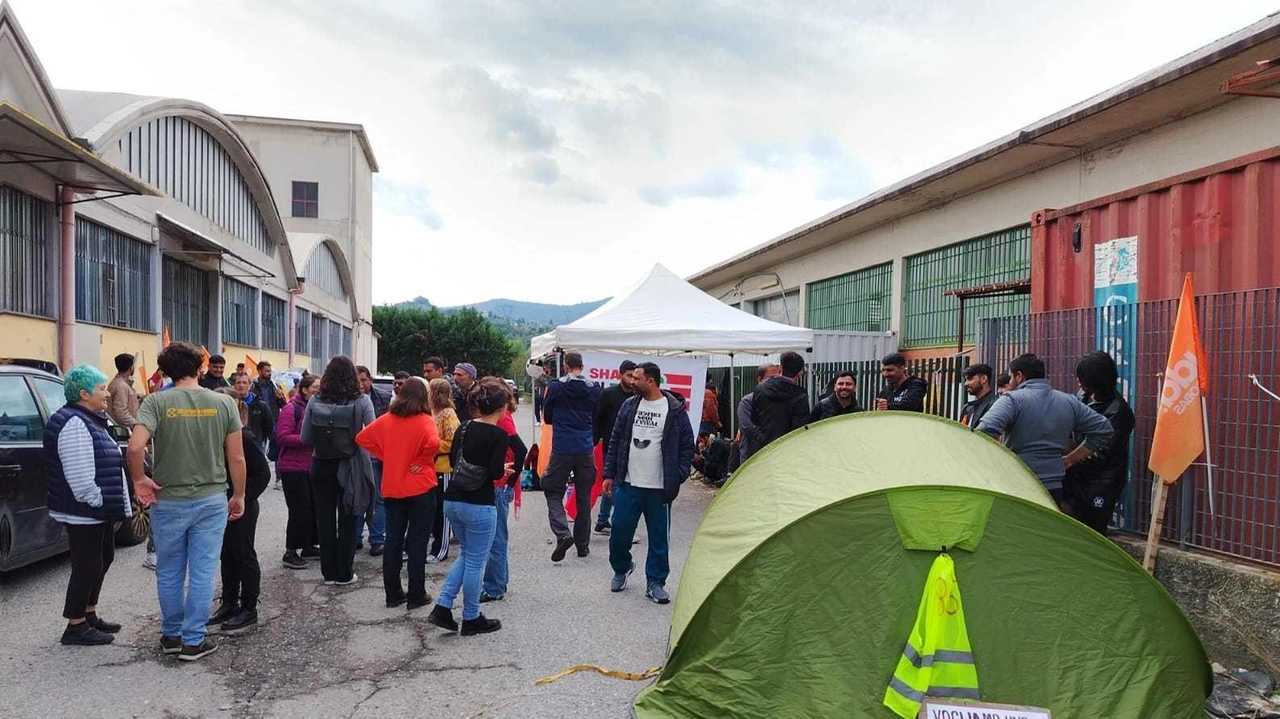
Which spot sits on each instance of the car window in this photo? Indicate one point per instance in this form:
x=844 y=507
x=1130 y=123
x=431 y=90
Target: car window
x=19 y=418
x=52 y=392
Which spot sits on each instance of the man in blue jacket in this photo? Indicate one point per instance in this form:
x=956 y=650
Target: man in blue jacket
x=570 y=408
x=649 y=455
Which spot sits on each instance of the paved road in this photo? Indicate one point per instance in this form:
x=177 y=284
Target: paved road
x=338 y=652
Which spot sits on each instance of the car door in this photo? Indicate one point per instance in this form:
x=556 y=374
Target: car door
x=54 y=397
x=25 y=530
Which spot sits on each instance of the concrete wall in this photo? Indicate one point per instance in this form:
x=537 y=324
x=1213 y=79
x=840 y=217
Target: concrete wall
x=1236 y=128
x=28 y=338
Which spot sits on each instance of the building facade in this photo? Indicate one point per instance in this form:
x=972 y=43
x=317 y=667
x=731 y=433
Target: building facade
x=196 y=232
x=897 y=259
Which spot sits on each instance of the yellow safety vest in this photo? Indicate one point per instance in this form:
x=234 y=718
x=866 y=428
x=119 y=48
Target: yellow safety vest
x=937 y=661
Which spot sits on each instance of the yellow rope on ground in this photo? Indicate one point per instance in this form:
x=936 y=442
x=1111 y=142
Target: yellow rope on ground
x=649 y=673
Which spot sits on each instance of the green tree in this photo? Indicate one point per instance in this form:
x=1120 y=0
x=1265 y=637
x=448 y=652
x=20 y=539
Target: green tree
x=410 y=335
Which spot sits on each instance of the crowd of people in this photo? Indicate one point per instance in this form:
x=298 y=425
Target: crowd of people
x=436 y=457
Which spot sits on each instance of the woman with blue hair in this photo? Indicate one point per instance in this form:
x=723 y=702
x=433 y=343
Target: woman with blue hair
x=88 y=494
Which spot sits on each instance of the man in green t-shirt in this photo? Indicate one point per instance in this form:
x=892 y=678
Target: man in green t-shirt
x=197 y=447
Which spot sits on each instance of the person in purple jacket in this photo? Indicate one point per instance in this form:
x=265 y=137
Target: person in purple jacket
x=302 y=538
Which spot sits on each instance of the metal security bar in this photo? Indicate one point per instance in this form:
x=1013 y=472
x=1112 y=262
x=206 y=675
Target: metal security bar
x=113 y=278
x=856 y=301
x=275 y=323
x=26 y=229
x=185 y=301
x=1241 y=332
x=191 y=166
x=302 y=328
x=239 y=313
x=930 y=316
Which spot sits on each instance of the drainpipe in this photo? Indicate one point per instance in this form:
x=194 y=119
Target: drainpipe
x=67 y=279
x=293 y=324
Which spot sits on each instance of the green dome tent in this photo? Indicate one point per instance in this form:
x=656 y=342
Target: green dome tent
x=804 y=578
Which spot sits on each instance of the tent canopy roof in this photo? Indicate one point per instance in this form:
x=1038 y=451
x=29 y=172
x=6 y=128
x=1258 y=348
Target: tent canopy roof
x=663 y=313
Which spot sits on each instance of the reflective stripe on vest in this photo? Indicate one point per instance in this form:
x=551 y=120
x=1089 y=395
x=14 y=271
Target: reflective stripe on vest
x=937 y=660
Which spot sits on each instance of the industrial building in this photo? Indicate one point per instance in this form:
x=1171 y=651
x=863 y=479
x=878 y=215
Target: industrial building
x=124 y=217
x=903 y=258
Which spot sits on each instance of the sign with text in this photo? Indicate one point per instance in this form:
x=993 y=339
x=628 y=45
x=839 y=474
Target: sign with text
x=932 y=709
x=686 y=376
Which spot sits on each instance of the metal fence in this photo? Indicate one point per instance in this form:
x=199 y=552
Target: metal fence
x=1241 y=332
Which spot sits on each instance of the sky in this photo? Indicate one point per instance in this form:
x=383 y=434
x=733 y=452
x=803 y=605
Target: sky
x=562 y=148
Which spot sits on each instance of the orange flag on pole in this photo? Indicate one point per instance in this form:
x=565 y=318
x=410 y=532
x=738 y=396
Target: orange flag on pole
x=166 y=337
x=204 y=359
x=1180 y=429
x=142 y=372
x=251 y=367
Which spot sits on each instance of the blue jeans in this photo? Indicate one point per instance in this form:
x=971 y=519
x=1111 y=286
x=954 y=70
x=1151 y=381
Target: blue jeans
x=606 y=511
x=473 y=525
x=629 y=503
x=377 y=528
x=496 y=573
x=188 y=536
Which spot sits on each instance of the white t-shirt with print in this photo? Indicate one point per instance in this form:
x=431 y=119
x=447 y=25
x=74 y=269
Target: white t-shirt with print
x=644 y=467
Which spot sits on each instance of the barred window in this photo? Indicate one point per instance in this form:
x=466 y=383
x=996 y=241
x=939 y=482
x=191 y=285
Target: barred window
x=113 y=278
x=185 y=301
x=335 y=339
x=239 y=313
x=302 y=329
x=856 y=301
x=322 y=271
x=346 y=341
x=319 y=330
x=275 y=323
x=25 y=233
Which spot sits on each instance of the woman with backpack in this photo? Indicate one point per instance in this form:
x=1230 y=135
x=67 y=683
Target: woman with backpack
x=341 y=472
x=405 y=441
x=301 y=539
x=479 y=459
x=241 y=574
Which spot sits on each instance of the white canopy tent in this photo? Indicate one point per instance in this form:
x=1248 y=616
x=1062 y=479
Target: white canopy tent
x=664 y=314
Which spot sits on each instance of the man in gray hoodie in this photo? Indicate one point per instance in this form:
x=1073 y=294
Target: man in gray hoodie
x=1036 y=421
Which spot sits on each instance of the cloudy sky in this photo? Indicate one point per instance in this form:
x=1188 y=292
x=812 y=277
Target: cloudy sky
x=563 y=147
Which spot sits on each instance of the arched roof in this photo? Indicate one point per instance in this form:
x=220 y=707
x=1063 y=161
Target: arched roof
x=306 y=244
x=103 y=117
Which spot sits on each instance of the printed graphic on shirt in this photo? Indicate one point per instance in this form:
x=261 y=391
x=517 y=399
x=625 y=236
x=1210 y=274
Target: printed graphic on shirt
x=644 y=468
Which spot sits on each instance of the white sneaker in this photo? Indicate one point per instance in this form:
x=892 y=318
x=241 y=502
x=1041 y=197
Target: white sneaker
x=277 y=484
x=354 y=578
x=150 y=561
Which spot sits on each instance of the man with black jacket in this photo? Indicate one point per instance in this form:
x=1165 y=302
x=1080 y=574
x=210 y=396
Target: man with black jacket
x=1093 y=486
x=841 y=400
x=978 y=380
x=749 y=439
x=570 y=409
x=611 y=399
x=650 y=450
x=902 y=392
x=781 y=404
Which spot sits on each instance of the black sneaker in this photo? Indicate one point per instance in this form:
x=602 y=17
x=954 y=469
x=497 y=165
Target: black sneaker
x=85 y=635
x=102 y=625
x=396 y=600
x=225 y=611
x=584 y=551
x=311 y=553
x=480 y=625
x=171 y=645
x=359 y=545
x=603 y=528
x=192 y=652
x=486 y=597
x=442 y=618
x=291 y=560
x=562 y=548
x=376 y=549
x=418 y=602
x=241 y=620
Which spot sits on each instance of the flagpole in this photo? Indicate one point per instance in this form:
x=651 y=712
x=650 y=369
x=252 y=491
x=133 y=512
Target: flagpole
x=1157 y=526
x=1208 y=453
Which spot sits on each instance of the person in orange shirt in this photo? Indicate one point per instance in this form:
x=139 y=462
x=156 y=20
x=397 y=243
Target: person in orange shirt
x=406 y=441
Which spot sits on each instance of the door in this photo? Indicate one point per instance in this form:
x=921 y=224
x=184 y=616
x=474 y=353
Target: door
x=26 y=532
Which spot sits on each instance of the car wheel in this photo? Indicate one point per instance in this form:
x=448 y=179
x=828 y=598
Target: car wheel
x=136 y=528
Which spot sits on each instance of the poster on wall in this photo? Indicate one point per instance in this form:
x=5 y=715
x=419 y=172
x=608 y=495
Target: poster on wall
x=686 y=376
x=1115 y=295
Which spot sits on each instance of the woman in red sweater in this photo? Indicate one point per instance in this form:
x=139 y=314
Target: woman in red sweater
x=406 y=441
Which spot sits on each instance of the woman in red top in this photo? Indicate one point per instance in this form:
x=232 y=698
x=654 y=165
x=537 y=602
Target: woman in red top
x=406 y=441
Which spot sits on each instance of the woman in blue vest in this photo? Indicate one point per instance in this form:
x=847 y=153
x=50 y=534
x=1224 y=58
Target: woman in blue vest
x=88 y=495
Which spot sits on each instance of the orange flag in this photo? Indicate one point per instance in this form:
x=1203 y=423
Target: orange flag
x=1179 y=437
x=251 y=367
x=166 y=336
x=142 y=372
x=204 y=358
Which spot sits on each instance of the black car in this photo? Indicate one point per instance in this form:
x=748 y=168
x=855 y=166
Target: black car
x=28 y=397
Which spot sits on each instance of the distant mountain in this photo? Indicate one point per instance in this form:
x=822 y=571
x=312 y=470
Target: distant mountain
x=516 y=319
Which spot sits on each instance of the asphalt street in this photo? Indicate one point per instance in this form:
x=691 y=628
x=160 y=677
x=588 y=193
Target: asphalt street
x=337 y=651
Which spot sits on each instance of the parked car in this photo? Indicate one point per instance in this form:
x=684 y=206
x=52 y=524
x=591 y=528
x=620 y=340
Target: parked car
x=28 y=397
x=515 y=391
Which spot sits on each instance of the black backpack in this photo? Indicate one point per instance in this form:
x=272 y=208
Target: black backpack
x=333 y=430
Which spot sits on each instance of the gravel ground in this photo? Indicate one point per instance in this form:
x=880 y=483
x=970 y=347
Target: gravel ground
x=326 y=651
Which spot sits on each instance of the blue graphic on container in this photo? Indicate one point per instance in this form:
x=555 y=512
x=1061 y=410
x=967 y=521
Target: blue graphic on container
x=1115 y=294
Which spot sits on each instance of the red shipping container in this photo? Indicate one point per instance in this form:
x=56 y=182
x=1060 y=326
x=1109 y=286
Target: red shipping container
x=1219 y=222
